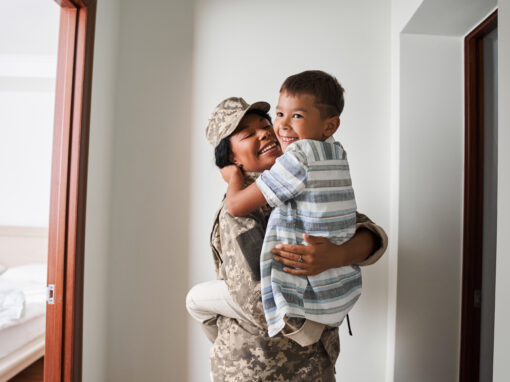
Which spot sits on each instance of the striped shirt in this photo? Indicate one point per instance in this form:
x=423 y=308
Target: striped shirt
x=310 y=188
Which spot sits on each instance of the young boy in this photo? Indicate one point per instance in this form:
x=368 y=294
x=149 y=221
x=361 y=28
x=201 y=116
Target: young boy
x=310 y=188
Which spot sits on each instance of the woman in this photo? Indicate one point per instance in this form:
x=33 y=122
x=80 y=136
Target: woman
x=242 y=351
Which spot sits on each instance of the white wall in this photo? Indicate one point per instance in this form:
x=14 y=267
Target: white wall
x=430 y=209
x=502 y=313
x=99 y=193
x=28 y=61
x=148 y=260
x=401 y=12
x=427 y=330
x=177 y=61
x=247 y=49
x=448 y=18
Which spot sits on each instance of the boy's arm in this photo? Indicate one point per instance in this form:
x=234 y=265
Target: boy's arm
x=284 y=181
x=241 y=200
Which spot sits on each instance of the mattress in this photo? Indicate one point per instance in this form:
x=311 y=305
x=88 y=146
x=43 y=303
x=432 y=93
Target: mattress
x=32 y=322
x=16 y=336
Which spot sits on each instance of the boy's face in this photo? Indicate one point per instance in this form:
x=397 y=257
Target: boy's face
x=297 y=117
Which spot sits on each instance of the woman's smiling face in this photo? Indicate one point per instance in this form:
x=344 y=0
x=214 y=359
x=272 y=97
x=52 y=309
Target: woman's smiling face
x=254 y=144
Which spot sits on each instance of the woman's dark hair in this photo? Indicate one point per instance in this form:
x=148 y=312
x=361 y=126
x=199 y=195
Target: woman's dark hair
x=223 y=152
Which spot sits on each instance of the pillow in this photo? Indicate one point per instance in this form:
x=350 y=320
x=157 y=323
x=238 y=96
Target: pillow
x=27 y=272
x=3 y=268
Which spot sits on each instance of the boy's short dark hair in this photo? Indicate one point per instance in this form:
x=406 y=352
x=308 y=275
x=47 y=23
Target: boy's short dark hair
x=223 y=152
x=328 y=93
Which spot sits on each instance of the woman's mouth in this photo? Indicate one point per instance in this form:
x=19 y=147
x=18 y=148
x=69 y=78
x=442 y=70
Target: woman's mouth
x=269 y=149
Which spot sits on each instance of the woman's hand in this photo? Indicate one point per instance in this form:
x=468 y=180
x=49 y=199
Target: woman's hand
x=321 y=254
x=311 y=259
x=228 y=172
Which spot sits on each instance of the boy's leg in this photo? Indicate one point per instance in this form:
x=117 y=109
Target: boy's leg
x=211 y=298
x=205 y=301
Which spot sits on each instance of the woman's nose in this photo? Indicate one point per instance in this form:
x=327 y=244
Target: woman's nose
x=264 y=133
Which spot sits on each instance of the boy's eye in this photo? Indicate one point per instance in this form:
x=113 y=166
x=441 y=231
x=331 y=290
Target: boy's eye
x=296 y=115
x=267 y=127
x=279 y=114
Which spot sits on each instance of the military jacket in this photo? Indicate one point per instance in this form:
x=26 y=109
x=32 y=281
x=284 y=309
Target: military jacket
x=243 y=351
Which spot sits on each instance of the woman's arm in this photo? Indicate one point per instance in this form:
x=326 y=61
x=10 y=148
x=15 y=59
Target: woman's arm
x=364 y=248
x=240 y=242
x=321 y=254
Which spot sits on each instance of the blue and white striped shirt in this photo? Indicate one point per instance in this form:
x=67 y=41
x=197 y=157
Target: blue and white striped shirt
x=310 y=188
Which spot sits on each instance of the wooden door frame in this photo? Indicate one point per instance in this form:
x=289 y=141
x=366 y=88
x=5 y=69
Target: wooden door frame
x=473 y=200
x=64 y=318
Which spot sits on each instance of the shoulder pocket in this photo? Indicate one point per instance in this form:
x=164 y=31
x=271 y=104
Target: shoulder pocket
x=250 y=244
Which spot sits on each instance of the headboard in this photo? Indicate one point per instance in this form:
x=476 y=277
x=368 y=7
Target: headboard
x=23 y=245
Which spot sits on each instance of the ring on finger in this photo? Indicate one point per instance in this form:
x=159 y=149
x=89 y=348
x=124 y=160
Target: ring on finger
x=300 y=259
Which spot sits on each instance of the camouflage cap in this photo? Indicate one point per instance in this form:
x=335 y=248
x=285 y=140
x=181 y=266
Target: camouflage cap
x=227 y=115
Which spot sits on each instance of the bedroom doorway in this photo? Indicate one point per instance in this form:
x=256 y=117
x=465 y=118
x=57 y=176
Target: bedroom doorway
x=28 y=66
x=65 y=171
x=64 y=314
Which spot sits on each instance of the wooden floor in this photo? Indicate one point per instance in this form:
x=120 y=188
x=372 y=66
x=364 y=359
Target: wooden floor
x=34 y=373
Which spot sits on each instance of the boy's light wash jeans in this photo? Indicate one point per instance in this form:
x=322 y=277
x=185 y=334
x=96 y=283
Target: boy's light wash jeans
x=207 y=300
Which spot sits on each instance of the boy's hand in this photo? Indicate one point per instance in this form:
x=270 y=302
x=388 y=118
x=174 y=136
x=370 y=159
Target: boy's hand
x=311 y=259
x=228 y=172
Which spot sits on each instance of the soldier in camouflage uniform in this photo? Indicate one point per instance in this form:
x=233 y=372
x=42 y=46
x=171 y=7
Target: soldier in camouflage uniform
x=242 y=351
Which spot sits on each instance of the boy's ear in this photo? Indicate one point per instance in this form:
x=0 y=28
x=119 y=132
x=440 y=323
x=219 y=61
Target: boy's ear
x=331 y=125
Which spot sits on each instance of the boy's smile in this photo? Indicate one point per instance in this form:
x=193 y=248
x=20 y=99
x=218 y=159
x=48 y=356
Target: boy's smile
x=297 y=117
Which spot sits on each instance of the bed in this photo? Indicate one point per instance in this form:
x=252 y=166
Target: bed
x=23 y=256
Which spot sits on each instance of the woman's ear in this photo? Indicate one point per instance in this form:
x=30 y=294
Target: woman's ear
x=331 y=126
x=233 y=159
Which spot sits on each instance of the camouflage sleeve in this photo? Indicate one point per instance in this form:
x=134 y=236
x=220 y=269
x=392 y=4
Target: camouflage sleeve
x=362 y=221
x=241 y=243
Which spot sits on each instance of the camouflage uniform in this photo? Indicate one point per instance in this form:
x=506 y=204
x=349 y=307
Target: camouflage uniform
x=243 y=351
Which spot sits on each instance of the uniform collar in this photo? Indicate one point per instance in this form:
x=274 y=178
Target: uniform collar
x=250 y=177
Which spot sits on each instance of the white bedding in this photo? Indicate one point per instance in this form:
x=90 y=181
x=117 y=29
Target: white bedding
x=12 y=304
x=29 y=281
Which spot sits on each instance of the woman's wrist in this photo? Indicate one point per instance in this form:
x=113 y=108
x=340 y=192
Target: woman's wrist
x=340 y=256
x=356 y=250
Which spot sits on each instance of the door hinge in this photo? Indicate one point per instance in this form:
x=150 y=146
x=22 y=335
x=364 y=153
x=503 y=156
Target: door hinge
x=50 y=294
x=477 y=300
